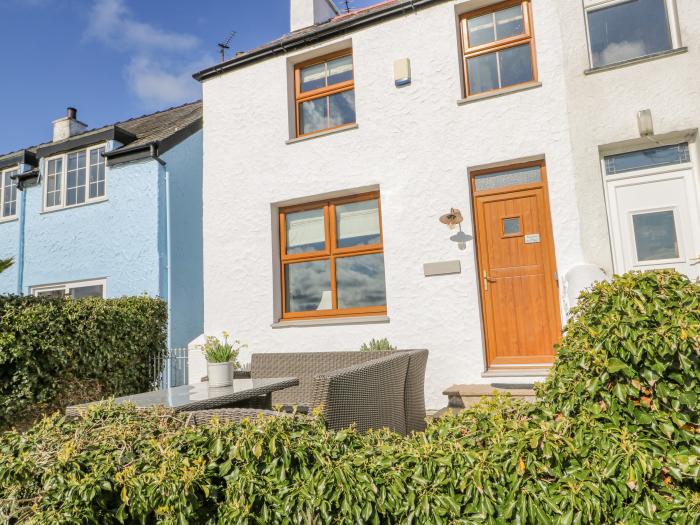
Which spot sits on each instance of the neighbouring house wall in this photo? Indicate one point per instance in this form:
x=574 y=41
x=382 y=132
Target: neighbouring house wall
x=116 y=239
x=184 y=165
x=416 y=144
x=9 y=247
x=603 y=109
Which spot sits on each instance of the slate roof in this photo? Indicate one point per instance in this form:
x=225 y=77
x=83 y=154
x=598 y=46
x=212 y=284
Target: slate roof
x=309 y=35
x=147 y=129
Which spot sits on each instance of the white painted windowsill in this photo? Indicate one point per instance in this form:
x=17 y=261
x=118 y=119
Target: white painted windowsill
x=331 y=321
x=13 y=218
x=633 y=61
x=73 y=206
x=499 y=93
x=323 y=133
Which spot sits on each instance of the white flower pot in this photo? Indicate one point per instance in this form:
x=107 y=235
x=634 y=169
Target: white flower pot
x=220 y=374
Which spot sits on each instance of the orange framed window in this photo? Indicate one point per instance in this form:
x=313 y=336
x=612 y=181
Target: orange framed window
x=499 y=47
x=325 y=93
x=332 y=258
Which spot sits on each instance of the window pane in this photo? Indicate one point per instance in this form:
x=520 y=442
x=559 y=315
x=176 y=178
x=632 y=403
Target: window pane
x=648 y=158
x=52 y=293
x=306 y=231
x=357 y=223
x=507 y=178
x=9 y=194
x=360 y=281
x=308 y=286
x=314 y=115
x=86 y=291
x=97 y=173
x=628 y=30
x=483 y=73
x=313 y=77
x=481 y=30
x=516 y=65
x=509 y=22
x=342 y=109
x=340 y=70
x=655 y=236
x=511 y=226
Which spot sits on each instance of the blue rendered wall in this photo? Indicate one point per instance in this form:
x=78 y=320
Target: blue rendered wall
x=184 y=166
x=9 y=246
x=116 y=239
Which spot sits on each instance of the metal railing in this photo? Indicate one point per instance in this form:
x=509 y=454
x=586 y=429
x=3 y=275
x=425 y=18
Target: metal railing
x=172 y=370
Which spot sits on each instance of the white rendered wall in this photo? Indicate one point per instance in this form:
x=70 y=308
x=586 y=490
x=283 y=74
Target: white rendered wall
x=416 y=145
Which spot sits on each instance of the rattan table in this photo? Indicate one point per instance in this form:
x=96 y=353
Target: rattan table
x=244 y=393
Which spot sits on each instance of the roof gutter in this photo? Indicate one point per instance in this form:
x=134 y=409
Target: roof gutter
x=140 y=152
x=304 y=40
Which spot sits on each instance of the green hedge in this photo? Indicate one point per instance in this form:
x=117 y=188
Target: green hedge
x=606 y=458
x=55 y=351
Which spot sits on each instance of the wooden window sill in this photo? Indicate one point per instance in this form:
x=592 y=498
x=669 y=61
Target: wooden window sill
x=638 y=60
x=323 y=133
x=331 y=321
x=499 y=93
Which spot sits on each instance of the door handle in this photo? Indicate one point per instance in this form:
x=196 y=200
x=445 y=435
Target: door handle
x=487 y=280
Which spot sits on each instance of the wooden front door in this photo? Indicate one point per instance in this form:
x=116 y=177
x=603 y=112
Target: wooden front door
x=515 y=249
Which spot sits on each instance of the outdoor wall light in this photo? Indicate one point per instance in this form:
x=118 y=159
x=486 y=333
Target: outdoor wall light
x=645 y=123
x=452 y=219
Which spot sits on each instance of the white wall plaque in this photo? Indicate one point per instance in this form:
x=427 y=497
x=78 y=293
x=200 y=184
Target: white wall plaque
x=533 y=238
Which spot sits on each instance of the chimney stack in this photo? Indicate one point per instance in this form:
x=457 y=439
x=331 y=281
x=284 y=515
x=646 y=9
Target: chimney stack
x=306 y=13
x=67 y=126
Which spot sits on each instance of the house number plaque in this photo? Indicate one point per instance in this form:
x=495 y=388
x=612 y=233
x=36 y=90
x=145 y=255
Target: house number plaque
x=533 y=238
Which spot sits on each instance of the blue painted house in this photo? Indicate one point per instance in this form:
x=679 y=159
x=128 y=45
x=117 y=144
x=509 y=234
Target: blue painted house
x=108 y=212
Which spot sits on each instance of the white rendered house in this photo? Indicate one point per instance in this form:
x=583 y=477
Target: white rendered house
x=562 y=134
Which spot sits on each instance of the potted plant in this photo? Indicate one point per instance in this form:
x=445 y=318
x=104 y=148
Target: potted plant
x=222 y=359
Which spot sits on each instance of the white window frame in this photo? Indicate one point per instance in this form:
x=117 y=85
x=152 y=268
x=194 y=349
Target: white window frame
x=64 y=179
x=65 y=287
x=6 y=173
x=594 y=5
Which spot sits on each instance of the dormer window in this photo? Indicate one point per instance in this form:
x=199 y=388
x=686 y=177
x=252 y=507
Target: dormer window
x=325 y=93
x=75 y=178
x=8 y=195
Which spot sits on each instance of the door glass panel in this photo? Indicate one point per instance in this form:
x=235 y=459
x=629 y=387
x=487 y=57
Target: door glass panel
x=357 y=223
x=628 y=30
x=511 y=226
x=360 y=281
x=648 y=158
x=503 y=179
x=655 y=236
x=306 y=231
x=308 y=286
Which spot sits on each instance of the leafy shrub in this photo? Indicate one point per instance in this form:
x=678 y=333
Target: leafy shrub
x=500 y=462
x=51 y=345
x=5 y=264
x=581 y=454
x=377 y=345
x=632 y=350
x=217 y=351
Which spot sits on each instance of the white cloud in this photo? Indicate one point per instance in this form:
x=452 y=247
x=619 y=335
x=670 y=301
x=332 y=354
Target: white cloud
x=620 y=51
x=112 y=22
x=159 y=71
x=158 y=84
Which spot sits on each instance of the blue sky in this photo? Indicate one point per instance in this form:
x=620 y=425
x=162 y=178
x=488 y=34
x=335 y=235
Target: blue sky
x=116 y=59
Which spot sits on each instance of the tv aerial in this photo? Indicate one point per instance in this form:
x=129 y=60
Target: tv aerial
x=223 y=46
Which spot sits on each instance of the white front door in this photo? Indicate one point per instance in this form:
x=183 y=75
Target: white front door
x=653 y=212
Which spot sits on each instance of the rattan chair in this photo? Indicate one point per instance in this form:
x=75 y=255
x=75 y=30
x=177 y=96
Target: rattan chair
x=368 y=389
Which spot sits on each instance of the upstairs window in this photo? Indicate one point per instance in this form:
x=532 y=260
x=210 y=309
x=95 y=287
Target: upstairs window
x=325 y=93
x=498 y=47
x=333 y=258
x=621 y=31
x=8 y=195
x=75 y=178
